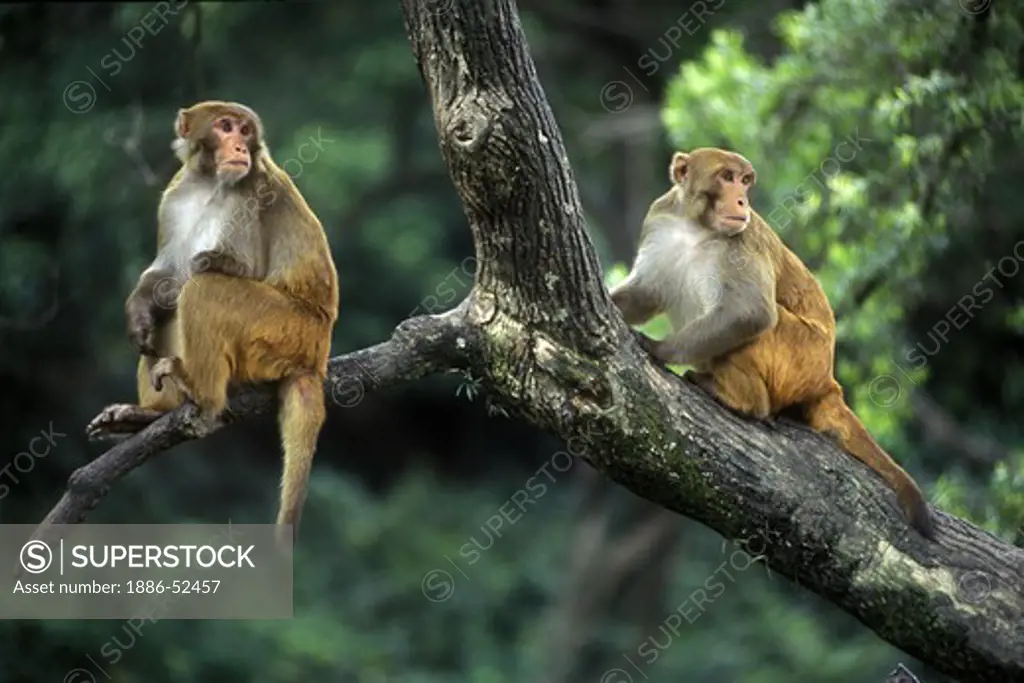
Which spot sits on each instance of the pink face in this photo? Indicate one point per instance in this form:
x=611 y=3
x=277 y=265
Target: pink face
x=722 y=177
x=234 y=138
x=732 y=209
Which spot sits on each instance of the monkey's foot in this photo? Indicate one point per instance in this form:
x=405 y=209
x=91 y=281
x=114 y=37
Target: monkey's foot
x=703 y=381
x=198 y=422
x=168 y=368
x=118 y=420
x=793 y=422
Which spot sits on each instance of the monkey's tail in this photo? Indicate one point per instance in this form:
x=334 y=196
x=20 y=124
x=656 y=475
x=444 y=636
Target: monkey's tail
x=300 y=418
x=831 y=415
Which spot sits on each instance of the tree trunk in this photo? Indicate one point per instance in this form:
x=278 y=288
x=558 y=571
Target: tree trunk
x=541 y=333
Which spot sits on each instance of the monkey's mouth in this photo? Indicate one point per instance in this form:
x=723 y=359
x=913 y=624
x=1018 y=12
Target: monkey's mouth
x=236 y=162
x=735 y=220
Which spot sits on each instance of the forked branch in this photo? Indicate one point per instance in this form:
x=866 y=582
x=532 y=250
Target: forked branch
x=558 y=355
x=540 y=331
x=419 y=346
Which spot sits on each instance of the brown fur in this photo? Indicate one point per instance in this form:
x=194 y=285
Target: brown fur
x=756 y=368
x=258 y=305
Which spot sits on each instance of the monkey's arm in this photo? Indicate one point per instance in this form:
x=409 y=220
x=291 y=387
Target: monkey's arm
x=636 y=305
x=299 y=262
x=745 y=309
x=155 y=295
x=310 y=280
x=147 y=303
x=712 y=335
x=212 y=261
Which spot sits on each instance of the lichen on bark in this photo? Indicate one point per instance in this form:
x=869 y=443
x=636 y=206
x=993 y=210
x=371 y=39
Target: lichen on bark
x=541 y=333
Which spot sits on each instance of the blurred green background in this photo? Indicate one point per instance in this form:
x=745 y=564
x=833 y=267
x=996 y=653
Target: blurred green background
x=887 y=139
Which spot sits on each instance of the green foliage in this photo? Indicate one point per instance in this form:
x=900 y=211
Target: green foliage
x=364 y=570
x=869 y=162
x=887 y=140
x=999 y=508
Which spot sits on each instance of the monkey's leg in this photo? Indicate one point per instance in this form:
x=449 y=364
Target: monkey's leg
x=293 y=347
x=122 y=419
x=797 y=355
x=209 y=330
x=762 y=378
x=737 y=383
x=254 y=333
x=240 y=329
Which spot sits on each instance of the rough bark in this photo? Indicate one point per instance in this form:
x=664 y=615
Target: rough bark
x=540 y=332
x=555 y=351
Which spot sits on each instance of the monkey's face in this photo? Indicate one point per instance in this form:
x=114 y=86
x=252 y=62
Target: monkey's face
x=232 y=138
x=715 y=184
x=730 y=208
x=219 y=138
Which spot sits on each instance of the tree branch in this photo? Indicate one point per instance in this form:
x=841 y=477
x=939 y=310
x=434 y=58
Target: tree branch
x=504 y=152
x=540 y=331
x=418 y=347
x=557 y=353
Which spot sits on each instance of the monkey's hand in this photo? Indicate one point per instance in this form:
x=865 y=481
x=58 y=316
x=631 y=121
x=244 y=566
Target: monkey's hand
x=142 y=329
x=210 y=261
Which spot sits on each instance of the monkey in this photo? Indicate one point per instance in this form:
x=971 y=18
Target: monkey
x=243 y=289
x=746 y=313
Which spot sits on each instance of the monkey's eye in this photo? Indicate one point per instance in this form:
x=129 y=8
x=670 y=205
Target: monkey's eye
x=244 y=130
x=225 y=125
x=728 y=176
x=748 y=179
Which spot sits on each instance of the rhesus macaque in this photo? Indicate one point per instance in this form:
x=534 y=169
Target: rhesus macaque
x=745 y=311
x=243 y=288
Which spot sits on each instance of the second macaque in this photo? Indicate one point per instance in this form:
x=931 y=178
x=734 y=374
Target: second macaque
x=745 y=311
x=243 y=289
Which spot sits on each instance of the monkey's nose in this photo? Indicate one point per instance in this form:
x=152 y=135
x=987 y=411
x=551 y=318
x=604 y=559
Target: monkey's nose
x=741 y=202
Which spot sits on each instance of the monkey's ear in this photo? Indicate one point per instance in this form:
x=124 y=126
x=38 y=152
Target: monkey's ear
x=677 y=168
x=182 y=123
